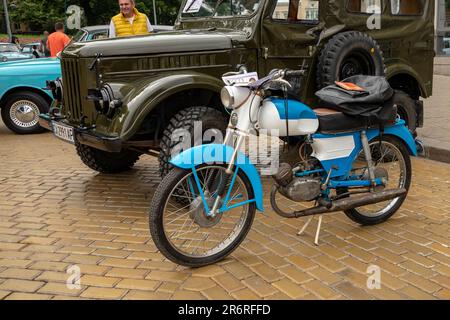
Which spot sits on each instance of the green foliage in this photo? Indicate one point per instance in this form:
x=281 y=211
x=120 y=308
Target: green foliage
x=37 y=14
x=42 y=14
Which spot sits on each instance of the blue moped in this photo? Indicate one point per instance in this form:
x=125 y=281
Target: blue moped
x=354 y=157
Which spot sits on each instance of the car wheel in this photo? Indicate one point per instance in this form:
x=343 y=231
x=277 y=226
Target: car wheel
x=406 y=109
x=21 y=112
x=184 y=121
x=106 y=162
x=348 y=54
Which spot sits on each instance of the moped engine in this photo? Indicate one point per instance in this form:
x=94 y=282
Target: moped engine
x=298 y=189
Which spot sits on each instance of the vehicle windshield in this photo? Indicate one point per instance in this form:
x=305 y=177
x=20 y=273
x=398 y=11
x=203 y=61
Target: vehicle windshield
x=219 y=8
x=78 y=36
x=9 y=48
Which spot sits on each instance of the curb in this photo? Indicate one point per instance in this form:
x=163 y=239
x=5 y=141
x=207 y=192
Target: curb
x=437 y=154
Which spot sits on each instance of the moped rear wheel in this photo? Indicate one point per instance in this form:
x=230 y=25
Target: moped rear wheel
x=392 y=162
x=183 y=231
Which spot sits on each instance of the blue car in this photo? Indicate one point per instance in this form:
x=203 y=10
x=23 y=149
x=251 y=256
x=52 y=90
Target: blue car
x=22 y=93
x=11 y=52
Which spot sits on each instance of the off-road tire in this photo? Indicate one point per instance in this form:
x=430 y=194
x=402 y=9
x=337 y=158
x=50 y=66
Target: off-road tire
x=31 y=98
x=156 y=222
x=106 y=162
x=211 y=119
x=364 y=220
x=406 y=109
x=344 y=53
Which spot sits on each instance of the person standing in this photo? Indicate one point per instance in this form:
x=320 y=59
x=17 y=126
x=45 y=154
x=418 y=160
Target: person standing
x=43 y=45
x=129 y=21
x=16 y=41
x=57 y=41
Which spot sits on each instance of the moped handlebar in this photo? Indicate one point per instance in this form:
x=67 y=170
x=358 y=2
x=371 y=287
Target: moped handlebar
x=294 y=73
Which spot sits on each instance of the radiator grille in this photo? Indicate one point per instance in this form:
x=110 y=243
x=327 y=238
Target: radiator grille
x=72 y=92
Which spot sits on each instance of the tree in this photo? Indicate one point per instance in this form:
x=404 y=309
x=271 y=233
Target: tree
x=2 y=21
x=42 y=14
x=166 y=10
x=38 y=15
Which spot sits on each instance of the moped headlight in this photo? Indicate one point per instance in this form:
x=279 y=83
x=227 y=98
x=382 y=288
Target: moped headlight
x=234 y=97
x=227 y=97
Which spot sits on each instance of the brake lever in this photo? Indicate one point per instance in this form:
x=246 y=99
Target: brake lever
x=283 y=81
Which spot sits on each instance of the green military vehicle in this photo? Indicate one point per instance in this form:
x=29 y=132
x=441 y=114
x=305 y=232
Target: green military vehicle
x=125 y=97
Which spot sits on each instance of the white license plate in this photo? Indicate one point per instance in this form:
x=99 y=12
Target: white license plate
x=63 y=132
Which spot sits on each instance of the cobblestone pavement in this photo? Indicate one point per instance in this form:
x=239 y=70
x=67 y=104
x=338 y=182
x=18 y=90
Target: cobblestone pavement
x=56 y=213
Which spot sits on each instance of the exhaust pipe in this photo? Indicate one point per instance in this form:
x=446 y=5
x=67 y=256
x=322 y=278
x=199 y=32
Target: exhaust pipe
x=342 y=204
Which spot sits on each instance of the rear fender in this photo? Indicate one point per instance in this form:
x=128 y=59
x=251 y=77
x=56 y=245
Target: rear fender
x=400 y=131
x=218 y=153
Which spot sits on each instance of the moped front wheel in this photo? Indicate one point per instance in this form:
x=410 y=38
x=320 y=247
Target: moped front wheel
x=184 y=232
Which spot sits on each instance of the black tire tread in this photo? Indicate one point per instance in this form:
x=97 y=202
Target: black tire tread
x=183 y=119
x=408 y=110
x=104 y=162
x=331 y=51
x=354 y=215
x=158 y=236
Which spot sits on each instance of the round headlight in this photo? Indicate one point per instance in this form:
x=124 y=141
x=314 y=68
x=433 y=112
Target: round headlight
x=227 y=97
x=4 y=59
x=234 y=96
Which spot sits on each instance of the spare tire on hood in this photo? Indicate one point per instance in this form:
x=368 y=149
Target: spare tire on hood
x=347 y=54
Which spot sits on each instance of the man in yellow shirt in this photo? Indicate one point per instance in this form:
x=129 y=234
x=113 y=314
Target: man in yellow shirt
x=129 y=21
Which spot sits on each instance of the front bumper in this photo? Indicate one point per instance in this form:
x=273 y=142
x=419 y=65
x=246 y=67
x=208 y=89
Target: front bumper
x=84 y=136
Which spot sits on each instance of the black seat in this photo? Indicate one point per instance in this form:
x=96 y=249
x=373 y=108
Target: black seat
x=370 y=105
x=332 y=122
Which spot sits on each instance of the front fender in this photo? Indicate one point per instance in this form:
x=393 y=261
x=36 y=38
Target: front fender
x=219 y=153
x=149 y=93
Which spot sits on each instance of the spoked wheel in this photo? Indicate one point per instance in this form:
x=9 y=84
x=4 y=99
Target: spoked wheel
x=21 y=110
x=184 y=232
x=392 y=163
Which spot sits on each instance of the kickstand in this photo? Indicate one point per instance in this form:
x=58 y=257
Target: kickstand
x=319 y=225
